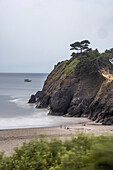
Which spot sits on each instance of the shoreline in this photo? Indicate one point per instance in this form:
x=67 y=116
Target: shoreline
x=12 y=138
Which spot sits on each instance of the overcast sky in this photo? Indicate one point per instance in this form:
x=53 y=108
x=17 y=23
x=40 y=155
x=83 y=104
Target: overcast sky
x=36 y=34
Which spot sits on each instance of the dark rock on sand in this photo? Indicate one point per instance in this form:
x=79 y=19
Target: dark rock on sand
x=32 y=99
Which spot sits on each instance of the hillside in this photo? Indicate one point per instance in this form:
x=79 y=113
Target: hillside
x=81 y=86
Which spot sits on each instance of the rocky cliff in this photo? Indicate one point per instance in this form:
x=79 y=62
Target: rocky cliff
x=81 y=86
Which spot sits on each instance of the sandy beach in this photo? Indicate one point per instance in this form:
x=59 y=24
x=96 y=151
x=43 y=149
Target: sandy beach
x=10 y=139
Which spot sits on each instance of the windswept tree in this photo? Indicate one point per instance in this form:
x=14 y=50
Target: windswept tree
x=81 y=46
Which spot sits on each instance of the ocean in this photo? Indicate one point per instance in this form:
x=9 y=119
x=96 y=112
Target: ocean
x=15 y=112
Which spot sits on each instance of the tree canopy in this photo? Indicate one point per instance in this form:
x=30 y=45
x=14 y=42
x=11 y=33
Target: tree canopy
x=81 y=46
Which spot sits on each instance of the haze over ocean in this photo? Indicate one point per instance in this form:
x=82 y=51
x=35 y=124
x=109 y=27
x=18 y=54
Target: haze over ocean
x=15 y=112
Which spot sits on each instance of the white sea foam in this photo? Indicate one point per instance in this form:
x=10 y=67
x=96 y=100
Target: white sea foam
x=25 y=121
x=39 y=119
x=15 y=112
x=21 y=102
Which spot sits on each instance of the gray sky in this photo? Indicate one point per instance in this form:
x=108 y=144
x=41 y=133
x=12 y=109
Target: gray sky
x=36 y=34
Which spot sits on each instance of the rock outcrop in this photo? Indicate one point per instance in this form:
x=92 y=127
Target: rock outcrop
x=101 y=109
x=81 y=86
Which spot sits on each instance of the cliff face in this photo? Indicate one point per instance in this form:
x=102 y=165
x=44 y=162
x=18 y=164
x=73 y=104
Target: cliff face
x=101 y=109
x=80 y=86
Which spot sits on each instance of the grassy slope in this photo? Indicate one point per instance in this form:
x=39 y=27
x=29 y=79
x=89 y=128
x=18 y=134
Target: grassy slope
x=89 y=62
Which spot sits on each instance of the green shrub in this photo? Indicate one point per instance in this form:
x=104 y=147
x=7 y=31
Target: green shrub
x=91 y=62
x=85 y=152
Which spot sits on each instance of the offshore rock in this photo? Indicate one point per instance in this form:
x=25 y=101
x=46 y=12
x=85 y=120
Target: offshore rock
x=32 y=99
x=42 y=99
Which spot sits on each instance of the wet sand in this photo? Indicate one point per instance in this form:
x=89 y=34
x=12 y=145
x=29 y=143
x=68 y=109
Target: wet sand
x=10 y=139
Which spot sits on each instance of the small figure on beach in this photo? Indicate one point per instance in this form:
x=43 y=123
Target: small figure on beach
x=60 y=126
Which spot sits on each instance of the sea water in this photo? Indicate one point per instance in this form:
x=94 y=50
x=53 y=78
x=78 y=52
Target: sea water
x=15 y=112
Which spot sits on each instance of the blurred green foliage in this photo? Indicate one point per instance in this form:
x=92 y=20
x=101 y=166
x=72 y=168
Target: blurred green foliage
x=84 y=152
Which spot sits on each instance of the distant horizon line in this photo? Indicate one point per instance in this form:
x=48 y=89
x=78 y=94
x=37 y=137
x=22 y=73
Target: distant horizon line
x=21 y=73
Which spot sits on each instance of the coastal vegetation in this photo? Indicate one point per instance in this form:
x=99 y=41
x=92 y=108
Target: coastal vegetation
x=87 y=60
x=84 y=152
x=80 y=86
